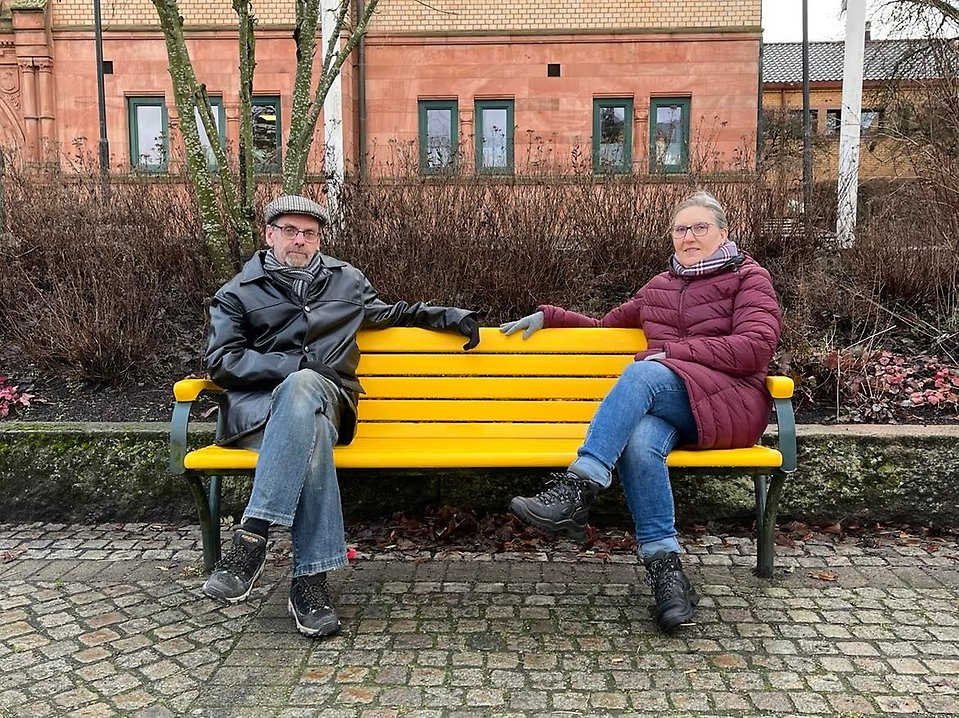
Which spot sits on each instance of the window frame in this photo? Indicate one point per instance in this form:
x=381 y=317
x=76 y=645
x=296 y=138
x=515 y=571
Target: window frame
x=133 y=135
x=274 y=101
x=654 y=104
x=600 y=103
x=834 y=121
x=422 y=109
x=491 y=104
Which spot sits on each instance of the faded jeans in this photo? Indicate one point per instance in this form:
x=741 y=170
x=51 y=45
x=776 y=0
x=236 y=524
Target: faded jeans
x=295 y=481
x=645 y=415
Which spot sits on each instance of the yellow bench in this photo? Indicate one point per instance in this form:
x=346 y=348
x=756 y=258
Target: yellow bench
x=508 y=403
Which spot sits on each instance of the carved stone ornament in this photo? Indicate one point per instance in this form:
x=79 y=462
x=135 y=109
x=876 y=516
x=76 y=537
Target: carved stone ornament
x=9 y=80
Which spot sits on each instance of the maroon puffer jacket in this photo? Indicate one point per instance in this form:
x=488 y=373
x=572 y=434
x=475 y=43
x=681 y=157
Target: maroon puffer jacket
x=719 y=333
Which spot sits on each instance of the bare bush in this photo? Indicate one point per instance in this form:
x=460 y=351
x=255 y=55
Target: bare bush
x=94 y=278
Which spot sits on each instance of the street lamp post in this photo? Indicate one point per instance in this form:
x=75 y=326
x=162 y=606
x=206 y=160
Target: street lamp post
x=101 y=95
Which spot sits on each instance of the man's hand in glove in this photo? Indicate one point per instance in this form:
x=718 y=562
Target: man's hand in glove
x=533 y=323
x=469 y=327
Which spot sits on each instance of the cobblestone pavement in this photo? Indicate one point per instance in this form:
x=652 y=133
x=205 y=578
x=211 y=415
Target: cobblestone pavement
x=109 y=620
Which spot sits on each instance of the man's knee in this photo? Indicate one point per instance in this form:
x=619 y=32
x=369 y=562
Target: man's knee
x=306 y=391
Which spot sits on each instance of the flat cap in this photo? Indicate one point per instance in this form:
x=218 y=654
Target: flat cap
x=294 y=204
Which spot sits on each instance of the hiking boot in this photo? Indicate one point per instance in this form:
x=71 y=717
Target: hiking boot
x=562 y=508
x=311 y=606
x=233 y=575
x=674 y=595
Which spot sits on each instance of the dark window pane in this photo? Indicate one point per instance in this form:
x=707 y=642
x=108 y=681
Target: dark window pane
x=439 y=138
x=612 y=136
x=266 y=123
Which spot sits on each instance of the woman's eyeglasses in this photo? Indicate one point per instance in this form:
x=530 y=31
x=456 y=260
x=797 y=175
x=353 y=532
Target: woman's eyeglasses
x=699 y=229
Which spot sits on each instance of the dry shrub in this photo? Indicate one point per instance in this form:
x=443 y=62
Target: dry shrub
x=100 y=284
x=93 y=278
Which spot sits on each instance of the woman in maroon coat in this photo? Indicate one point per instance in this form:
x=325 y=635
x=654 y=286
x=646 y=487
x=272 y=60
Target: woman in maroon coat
x=712 y=322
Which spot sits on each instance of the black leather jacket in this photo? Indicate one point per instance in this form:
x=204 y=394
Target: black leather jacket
x=260 y=334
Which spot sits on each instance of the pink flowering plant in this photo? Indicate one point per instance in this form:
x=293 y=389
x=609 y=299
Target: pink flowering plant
x=881 y=385
x=11 y=397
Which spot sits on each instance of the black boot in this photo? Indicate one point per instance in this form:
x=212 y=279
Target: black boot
x=311 y=605
x=562 y=508
x=674 y=595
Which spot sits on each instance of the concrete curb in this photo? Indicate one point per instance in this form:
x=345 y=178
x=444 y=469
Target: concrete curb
x=94 y=472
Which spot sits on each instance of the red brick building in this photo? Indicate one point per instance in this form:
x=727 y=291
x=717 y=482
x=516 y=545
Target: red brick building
x=508 y=87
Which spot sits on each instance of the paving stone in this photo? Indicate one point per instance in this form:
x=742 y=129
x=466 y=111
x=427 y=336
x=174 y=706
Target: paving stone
x=102 y=631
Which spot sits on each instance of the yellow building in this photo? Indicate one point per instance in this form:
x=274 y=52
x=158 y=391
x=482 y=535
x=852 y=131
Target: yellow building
x=891 y=69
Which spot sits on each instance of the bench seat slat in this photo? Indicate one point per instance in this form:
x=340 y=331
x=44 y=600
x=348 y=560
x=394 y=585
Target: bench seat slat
x=427 y=453
x=473 y=387
x=493 y=365
x=467 y=410
x=471 y=430
x=401 y=340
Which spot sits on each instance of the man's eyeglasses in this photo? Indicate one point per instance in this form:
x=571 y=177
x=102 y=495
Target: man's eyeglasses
x=699 y=229
x=289 y=232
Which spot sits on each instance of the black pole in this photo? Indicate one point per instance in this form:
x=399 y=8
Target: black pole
x=806 y=129
x=101 y=96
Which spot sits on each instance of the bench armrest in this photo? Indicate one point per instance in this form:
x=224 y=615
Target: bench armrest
x=781 y=389
x=185 y=392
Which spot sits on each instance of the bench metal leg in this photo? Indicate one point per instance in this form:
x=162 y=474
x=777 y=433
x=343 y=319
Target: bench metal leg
x=208 y=509
x=768 y=492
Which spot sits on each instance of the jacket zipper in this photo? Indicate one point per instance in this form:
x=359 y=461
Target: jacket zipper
x=682 y=308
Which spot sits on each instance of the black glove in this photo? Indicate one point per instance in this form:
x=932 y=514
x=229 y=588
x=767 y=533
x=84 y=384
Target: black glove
x=469 y=327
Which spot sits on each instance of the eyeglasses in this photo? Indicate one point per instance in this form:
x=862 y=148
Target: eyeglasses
x=699 y=229
x=289 y=232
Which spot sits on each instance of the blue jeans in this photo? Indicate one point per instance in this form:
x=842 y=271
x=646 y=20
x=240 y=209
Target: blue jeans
x=645 y=415
x=295 y=481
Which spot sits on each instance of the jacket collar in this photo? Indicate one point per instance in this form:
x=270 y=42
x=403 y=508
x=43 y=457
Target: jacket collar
x=253 y=269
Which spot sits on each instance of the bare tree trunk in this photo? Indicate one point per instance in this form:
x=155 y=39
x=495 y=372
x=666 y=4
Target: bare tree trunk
x=190 y=96
x=306 y=111
x=245 y=215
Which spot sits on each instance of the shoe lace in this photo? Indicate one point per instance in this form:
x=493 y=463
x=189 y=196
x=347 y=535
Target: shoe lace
x=316 y=591
x=664 y=577
x=240 y=560
x=561 y=489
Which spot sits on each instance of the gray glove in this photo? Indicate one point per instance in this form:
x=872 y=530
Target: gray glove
x=654 y=357
x=533 y=323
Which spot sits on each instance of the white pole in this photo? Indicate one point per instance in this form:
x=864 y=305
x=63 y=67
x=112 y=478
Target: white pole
x=332 y=115
x=850 y=123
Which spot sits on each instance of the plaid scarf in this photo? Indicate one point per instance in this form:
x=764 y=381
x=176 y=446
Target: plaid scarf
x=726 y=256
x=297 y=279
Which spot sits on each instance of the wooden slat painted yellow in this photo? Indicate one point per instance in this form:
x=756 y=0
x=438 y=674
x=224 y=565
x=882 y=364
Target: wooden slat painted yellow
x=493 y=341
x=471 y=430
x=469 y=364
x=502 y=387
x=466 y=410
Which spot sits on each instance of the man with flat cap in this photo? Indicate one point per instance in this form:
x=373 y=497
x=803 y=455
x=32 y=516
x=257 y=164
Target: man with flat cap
x=283 y=344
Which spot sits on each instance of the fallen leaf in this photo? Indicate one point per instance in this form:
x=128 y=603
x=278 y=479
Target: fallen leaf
x=824 y=575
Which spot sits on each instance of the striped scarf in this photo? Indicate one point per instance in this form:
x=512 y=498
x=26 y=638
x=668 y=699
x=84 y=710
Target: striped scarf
x=297 y=279
x=727 y=255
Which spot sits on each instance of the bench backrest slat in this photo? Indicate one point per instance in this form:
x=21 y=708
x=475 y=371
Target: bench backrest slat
x=466 y=410
x=493 y=364
x=401 y=340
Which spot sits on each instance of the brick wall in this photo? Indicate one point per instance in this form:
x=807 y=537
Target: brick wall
x=141 y=13
x=480 y=16
x=447 y=16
